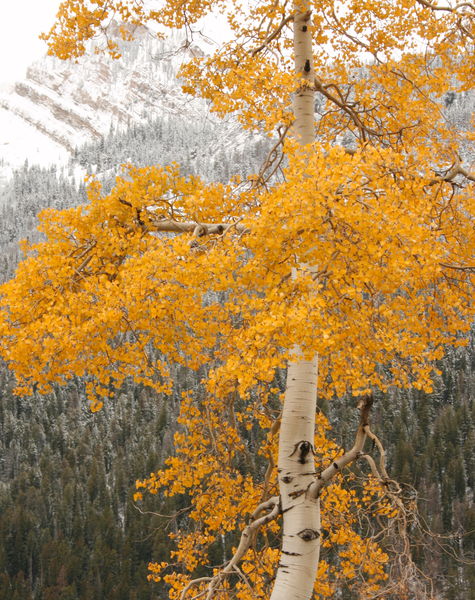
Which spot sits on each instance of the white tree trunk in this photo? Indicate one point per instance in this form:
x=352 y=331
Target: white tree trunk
x=298 y=565
x=304 y=99
x=301 y=512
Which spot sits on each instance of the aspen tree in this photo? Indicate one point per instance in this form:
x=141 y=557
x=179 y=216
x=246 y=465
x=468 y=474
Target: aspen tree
x=301 y=514
x=359 y=253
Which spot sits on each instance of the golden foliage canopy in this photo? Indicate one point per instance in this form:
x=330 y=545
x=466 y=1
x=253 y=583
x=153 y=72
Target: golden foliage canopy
x=387 y=225
x=107 y=298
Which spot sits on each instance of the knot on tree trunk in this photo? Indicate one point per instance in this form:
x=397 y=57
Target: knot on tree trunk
x=303 y=449
x=307 y=535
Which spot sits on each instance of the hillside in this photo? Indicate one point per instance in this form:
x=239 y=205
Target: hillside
x=61 y=105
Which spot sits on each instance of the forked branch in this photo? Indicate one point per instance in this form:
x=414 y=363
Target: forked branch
x=364 y=406
x=247 y=536
x=405 y=574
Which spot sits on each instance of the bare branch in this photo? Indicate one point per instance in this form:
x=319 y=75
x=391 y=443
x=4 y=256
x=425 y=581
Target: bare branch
x=272 y=156
x=162 y=516
x=382 y=452
x=325 y=476
x=353 y=115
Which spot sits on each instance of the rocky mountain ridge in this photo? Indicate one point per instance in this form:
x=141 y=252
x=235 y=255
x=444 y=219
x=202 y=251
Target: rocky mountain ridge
x=60 y=105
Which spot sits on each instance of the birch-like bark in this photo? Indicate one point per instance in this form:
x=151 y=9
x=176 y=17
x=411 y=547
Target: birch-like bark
x=301 y=511
x=298 y=565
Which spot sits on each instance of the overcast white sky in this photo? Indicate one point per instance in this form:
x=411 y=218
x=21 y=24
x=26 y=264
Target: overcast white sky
x=21 y=22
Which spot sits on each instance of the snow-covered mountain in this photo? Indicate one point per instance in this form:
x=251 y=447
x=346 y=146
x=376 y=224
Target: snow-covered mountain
x=60 y=105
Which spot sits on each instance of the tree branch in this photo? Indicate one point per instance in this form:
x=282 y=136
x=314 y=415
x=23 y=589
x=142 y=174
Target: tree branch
x=452 y=172
x=273 y=35
x=247 y=536
x=464 y=268
x=364 y=406
x=168 y=225
x=451 y=9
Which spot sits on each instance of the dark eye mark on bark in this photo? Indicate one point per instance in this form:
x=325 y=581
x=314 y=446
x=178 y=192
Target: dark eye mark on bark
x=308 y=534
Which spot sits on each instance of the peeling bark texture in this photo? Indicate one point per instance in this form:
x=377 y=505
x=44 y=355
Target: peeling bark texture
x=301 y=512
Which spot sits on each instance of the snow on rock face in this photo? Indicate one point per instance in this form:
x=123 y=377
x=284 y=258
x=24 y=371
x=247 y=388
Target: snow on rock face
x=63 y=104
